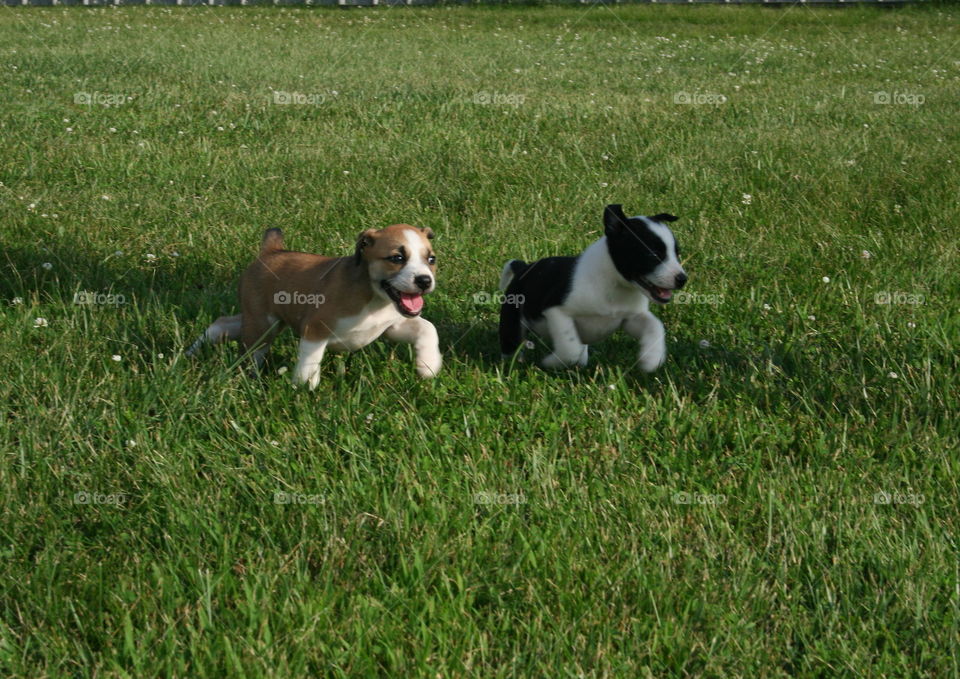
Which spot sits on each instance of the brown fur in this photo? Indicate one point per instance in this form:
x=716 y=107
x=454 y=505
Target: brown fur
x=334 y=303
x=344 y=282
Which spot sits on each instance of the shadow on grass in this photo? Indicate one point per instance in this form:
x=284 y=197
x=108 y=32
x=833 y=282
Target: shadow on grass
x=690 y=371
x=70 y=273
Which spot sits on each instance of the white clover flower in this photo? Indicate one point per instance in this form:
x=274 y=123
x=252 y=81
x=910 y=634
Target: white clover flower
x=17 y=301
x=892 y=375
x=46 y=266
x=746 y=199
x=40 y=322
x=704 y=344
x=865 y=254
x=811 y=317
x=826 y=279
x=116 y=358
x=282 y=370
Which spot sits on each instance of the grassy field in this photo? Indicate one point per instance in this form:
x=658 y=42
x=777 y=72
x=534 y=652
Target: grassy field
x=780 y=499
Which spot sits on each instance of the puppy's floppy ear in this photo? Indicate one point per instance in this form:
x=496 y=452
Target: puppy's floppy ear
x=427 y=231
x=614 y=221
x=365 y=239
x=664 y=217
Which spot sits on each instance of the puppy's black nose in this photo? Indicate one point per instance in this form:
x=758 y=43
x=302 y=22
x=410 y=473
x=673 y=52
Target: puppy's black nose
x=681 y=279
x=423 y=282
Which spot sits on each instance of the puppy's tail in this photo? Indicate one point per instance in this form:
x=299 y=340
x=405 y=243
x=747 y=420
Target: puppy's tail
x=272 y=241
x=511 y=269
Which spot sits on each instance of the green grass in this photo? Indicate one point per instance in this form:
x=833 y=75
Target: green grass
x=718 y=518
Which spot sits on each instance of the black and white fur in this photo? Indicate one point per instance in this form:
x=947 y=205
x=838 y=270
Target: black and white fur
x=581 y=300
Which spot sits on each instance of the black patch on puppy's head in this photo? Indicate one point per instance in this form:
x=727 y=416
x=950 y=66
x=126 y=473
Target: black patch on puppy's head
x=634 y=248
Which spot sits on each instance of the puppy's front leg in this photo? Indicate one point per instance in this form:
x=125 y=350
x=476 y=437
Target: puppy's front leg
x=308 y=362
x=568 y=350
x=426 y=343
x=653 y=345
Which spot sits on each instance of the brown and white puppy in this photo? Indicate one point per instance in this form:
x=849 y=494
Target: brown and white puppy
x=336 y=303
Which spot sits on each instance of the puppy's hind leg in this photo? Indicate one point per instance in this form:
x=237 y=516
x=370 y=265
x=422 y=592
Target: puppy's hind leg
x=511 y=329
x=257 y=334
x=653 y=344
x=224 y=329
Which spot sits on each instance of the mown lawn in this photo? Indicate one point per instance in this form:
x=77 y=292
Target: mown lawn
x=779 y=500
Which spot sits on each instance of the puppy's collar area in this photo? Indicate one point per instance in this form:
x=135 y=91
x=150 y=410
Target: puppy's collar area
x=408 y=304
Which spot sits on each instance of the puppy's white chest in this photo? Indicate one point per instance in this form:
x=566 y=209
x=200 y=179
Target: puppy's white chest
x=356 y=332
x=600 y=310
x=595 y=328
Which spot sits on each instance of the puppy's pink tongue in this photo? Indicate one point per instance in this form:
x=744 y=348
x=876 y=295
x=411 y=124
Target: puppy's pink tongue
x=664 y=293
x=411 y=303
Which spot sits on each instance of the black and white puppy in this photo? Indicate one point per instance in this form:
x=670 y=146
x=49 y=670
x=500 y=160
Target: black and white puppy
x=581 y=300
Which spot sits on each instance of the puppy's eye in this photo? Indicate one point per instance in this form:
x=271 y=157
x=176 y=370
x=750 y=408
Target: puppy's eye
x=396 y=259
x=431 y=259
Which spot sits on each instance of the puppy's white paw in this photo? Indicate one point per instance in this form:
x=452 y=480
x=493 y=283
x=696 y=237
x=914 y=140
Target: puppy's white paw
x=653 y=356
x=429 y=368
x=311 y=378
x=552 y=361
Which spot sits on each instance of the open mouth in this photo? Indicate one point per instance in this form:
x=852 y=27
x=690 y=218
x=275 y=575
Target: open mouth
x=661 y=295
x=408 y=304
